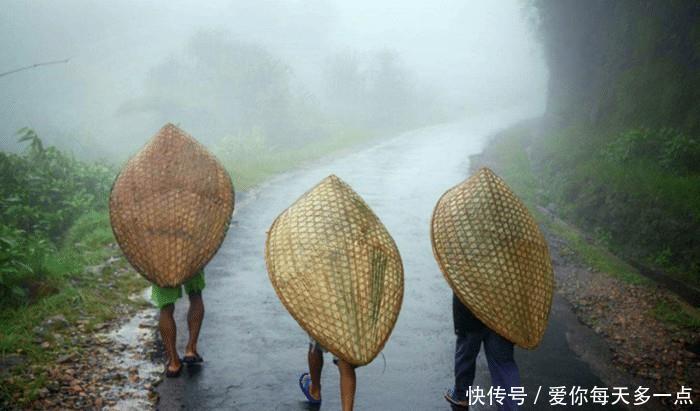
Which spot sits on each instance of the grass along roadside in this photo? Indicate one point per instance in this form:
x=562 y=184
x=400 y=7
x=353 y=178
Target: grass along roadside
x=92 y=284
x=508 y=153
x=252 y=160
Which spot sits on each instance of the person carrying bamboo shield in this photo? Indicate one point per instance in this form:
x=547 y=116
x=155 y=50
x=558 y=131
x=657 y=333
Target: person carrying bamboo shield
x=338 y=272
x=496 y=261
x=170 y=209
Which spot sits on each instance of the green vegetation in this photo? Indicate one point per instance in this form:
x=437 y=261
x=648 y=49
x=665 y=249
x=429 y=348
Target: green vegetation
x=621 y=154
x=508 y=152
x=639 y=192
x=55 y=227
x=57 y=251
x=43 y=192
x=54 y=207
x=682 y=315
x=85 y=293
x=596 y=256
x=623 y=64
x=82 y=287
x=54 y=237
x=251 y=159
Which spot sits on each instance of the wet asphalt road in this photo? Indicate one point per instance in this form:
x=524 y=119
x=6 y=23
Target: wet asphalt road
x=254 y=351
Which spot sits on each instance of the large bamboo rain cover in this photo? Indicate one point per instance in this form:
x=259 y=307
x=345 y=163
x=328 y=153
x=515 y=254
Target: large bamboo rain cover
x=337 y=270
x=494 y=257
x=170 y=207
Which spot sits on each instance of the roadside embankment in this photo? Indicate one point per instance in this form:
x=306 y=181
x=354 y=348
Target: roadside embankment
x=652 y=333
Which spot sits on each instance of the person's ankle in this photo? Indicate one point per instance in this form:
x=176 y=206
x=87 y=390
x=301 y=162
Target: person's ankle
x=315 y=391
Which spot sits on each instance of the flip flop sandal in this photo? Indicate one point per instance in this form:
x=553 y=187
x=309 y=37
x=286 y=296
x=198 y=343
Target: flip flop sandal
x=456 y=404
x=173 y=374
x=192 y=359
x=304 y=383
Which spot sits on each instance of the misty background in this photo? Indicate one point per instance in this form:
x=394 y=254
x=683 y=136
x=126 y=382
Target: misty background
x=608 y=163
x=273 y=73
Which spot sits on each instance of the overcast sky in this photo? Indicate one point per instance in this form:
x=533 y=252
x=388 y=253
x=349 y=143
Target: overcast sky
x=473 y=51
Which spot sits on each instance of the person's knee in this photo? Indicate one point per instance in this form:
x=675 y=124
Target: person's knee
x=346 y=368
x=315 y=351
x=468 y=345
x=316 y=348
x=196 y=301
x=462 y=344
x=167 y=310
x=499 y=350
x=500 y=357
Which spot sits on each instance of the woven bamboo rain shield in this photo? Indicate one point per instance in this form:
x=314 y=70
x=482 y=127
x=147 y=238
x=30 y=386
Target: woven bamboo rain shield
x=170 y=207
x=494 y=257
x=337 y=270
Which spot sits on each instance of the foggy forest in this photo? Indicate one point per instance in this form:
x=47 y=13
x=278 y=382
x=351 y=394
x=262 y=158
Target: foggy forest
x=589 y=111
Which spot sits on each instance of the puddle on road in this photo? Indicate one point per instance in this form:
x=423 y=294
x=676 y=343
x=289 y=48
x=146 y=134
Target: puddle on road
x=136 y=343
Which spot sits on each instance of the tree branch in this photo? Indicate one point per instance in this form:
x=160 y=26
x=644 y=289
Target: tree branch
x=46 y=63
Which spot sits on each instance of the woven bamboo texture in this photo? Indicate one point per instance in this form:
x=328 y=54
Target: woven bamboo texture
x=337 y=270
x=494 y=257
x=170 y=207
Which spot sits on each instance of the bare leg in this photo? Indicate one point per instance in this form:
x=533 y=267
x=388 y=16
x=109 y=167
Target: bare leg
x=195 y=316
x=347 y=384
x=168 y=333
x=315 y=367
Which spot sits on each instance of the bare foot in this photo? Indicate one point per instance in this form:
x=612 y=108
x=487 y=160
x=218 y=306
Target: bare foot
x=191 y=351
x=174 y=366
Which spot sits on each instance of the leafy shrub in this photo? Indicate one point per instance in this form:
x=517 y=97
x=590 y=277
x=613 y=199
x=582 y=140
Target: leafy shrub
x=42 y=193
x=21 y=260
x=638 y=191
x=45 y=190
x=90 y=231
x=674 y=150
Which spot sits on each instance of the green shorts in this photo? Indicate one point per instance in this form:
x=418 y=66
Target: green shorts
x=162 y=296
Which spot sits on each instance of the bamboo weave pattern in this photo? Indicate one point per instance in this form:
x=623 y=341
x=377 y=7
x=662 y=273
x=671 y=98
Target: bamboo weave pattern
x=170 y=207
x=337 y=270
x=494 y=257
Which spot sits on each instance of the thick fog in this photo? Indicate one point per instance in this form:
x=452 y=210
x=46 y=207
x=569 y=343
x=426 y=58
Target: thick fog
x=287 y=70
